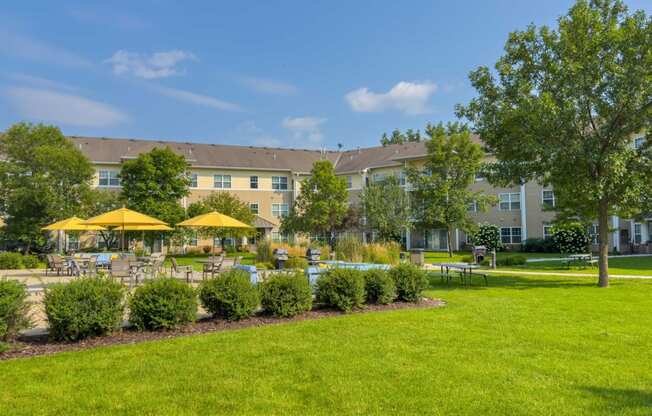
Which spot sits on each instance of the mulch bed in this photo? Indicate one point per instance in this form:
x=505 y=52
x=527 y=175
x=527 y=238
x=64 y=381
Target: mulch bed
x=33 y=346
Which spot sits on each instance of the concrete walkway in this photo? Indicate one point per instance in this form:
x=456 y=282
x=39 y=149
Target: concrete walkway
x=542 y=259
x=523 y=272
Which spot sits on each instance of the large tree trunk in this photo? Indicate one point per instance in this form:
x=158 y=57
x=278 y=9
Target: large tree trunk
x=449 y=236
x=603 y=244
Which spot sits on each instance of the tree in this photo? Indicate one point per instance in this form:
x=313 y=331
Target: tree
x=154 y=184
x=440 y=191
x=322 y=204
x=227 y=204
x=43 y=178
x=562 y=107
x=387 y=208
x=399 y=138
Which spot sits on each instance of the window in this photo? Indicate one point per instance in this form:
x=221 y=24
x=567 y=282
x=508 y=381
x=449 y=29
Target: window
x=253 y=182
x=349 y=182
x=378 y=177
x=254 y=207
x=638 y=233
x=192 y=241
x=73 y=242
x=401 y=179
x=510 y=202
x=593 y=233
x=279 y=238
x=193 y=180
x=228 y=242
x=548 y=199
x=638 y=142
x=473 y=206
x=109 y=178
x=280 y=210
x=510 y=235
x=547 y=231
x=279 y=183
x=222 y=181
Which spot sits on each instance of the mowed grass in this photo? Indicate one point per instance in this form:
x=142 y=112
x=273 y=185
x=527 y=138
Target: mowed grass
x=523 y=346
x=640 y=265
x=196 y=260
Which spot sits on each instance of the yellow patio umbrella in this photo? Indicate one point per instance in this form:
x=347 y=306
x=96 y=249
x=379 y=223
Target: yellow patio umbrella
x=213 y=220
x=71 y=224
x=123 y=217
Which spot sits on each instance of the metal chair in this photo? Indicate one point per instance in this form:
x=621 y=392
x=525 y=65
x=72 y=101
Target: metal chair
x=121 y=269
x=176 y=269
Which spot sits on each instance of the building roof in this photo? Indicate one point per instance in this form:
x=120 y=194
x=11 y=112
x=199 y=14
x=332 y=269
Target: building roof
x=108 y=150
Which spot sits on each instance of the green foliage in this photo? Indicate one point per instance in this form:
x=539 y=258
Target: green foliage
x=399 y=138
x=231 y=295
x=264 y=266
x=296 y=263
x=383 y=253
x=516 y=260
x=379 y=287
x=322 y=204
x=286 y=295
x=349 y=248
x=539 y=245
x=11 y=261
x=487 y=235
x=163 y=303
x=563 y=106
x=84 y=307
x=30 y=261
x=14 y=309
x=341 y=288
x=410 y=281
x=43 y=178
x=387 y=208
x=441 y=192
x=228 y=204
x=155 y=182
x=571 y=238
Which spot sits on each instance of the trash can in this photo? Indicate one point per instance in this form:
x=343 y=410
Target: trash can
x=416 y=257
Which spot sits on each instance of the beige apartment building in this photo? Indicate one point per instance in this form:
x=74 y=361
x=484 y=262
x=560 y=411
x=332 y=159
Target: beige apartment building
x=269 y=180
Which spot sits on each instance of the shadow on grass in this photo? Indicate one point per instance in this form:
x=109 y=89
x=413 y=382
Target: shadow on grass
x=618 y=400
x=510 y=282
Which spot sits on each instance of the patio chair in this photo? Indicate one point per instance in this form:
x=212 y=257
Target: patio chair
x=212 y=268
x=175 y=269
x=121 y=269
x=91 y=267
x=57 y=264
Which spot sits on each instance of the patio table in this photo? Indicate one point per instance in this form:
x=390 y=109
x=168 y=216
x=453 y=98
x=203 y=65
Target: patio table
x=465 y=271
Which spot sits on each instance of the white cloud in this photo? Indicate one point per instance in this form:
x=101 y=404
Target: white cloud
x=24 y=47
x=198 y=99
x=305 y=128
x=269 y=86
x=408 y=97
x=156 y=65
x=67 y=109
x=40 y=82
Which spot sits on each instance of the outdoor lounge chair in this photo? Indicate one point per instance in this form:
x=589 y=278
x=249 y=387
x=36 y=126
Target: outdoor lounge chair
x=176 y=269
x=121 y=269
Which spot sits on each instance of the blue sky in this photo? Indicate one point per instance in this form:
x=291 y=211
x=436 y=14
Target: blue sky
x=274 y=73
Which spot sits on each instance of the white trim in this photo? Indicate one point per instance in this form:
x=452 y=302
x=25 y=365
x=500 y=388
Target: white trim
x=523 y=214
x=616 y=234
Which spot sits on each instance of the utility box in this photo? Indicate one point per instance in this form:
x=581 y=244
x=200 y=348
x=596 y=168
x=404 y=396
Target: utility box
x=479 y=254
x=416 y=257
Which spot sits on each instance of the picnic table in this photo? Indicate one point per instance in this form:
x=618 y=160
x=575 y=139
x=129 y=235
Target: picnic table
x=464 y=270
x=580 y=260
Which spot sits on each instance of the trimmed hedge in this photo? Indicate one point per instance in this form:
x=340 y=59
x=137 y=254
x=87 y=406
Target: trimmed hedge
x=230 y=295
x=379 y=286
x=14 y=309
x=85 y=307
x=410 y=281
x=286 y=295
x=341 y=288
x=163 y=303
x=11 y=261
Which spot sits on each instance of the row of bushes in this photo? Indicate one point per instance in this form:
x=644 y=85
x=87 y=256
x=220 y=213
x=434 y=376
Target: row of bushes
x=12 y=261
x=95 y=306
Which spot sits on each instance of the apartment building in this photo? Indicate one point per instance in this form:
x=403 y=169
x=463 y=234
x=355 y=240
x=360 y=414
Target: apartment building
x=269 y=180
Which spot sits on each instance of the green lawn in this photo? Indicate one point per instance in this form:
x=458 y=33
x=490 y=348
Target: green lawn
x=624 y=266
x=522 y=346
x=194 y=261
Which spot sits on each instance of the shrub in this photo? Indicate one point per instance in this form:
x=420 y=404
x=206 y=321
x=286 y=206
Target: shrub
x=467 y=259
x=11 y=261
x=264 y=251
x=341 y=288
x=385 y=253
x=539 y=245
x=410 y=281
x=30 y=262
x=231 y=295
x=349 y=248
x=487 y=235
x=325 y=252
x=85 y=307
x=264 y=266
x=14 y=309
x=163 y=303
x=206 y=249
x=293 y=250
x=380 y=288
x=511 y=261
x=296 y=263
x=286 y=295
x=571 y=238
